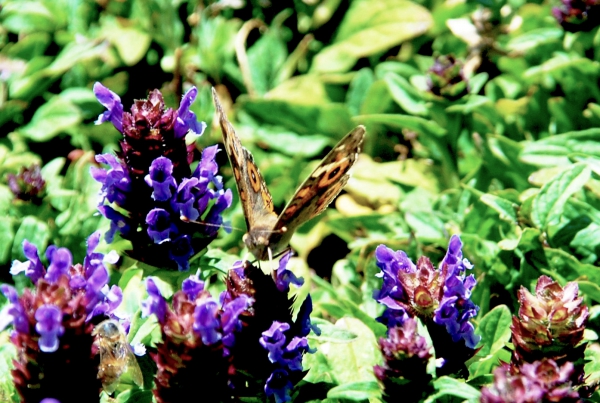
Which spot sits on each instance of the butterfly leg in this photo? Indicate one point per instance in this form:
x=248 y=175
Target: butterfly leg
x=270 y=257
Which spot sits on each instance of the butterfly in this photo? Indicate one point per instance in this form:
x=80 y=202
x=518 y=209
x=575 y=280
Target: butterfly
x=269 y=233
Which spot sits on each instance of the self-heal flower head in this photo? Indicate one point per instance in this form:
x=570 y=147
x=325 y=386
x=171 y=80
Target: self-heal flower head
x=577 y=15
x=271 y=344
x=195 y=328
x=439 y=297
x=540 y=381
x=406 y=354
x=52 y=323
x=28 y=184
x=550 y=324
x=149 y=192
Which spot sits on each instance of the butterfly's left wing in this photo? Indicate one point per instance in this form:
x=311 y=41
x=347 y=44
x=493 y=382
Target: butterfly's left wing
x=321 y=187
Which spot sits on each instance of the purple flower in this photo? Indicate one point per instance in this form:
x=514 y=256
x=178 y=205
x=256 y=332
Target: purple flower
x=13 y=312
x=32 y=267
x=192 y=286
x=206 y=322
x=49 y=400
x=60 y=260
x=155 y=303
x=420 y=290
x=273 y=340
x=185 y=199
x=230 y=321
x=303 y=319
x=117 y=222
x=279 y=385
x=284 y=276
x=161 y=179
x=181 y=251
x=116 y=183
x=160 y=225
x=49 y=326
x=186 y=119
x=112 y=102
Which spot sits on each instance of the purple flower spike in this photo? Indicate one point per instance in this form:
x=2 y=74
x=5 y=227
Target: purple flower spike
x=186 y=119
x=192 y=286
x=49 y=400
x=284 y=276
x=208 y=168
x=155 y=304
x=61 y=261
x=49 y=326
x=112 y=102
x=160 y=178
x=160 y=225
x=33 y=267
x=206 y=323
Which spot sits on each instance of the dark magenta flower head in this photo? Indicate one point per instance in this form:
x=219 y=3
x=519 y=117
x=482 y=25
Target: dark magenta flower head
x=52 y=324
x=577 y=15
x=406 y=354
x=28 y=184
x=149 y=192
x=540 y=381
x=441 y=295
x=267 y=356
x=197 y=332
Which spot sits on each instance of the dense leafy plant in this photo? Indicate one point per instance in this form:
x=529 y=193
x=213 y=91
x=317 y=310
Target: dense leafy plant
x=482 y=153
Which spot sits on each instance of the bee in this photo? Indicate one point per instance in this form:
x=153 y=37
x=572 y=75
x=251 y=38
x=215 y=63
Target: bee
x=116 y=357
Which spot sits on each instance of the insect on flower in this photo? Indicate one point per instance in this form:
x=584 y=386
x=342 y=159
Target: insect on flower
x=116 y=357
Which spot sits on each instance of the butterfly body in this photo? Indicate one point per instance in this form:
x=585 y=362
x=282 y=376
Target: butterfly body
x=269 y=233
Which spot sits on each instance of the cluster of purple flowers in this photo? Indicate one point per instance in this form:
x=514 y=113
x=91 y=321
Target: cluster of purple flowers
x=153 y=194
x=53 y=324
x=442 y=295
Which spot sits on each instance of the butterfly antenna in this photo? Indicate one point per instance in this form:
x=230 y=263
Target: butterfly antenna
x=226 y=227
x=270 y=252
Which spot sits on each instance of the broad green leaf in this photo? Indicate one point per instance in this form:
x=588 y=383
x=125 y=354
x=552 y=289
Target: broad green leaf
x=534 y=38
x=418 y=124
x=557 y=150
x=369 y=28
x=330 y=119
x=35 y=231
x=131 y=41
x=549 y=202
x=446 y=386
x=354 y=361
x=331 y=333
x=355 y=391
x=405 y=95
x=52 y=118
x=505 y=208
x=23 y=17
x=494 y=329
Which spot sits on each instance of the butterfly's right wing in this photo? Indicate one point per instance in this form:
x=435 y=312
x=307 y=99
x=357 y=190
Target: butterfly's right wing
x=254 y=195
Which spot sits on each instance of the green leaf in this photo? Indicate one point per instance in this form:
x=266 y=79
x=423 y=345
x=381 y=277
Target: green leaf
x=405 y=95
x=505 y=208
x=549 y=202
x=355 y=391
x=535 y=38
x=35 y=231
x=331 y=333
x=369 y=28
x=494 y=329
x=25 y=17
x=353 y=362
x=557 y=150
x=131 y=41
x=447 y=386
x=418 y=124
x=52 y=118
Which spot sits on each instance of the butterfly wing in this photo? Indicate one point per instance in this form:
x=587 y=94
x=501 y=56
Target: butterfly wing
x=319 y=189
x=254 y=195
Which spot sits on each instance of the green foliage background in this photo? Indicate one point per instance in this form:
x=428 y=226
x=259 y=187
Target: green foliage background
x=511 y=163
